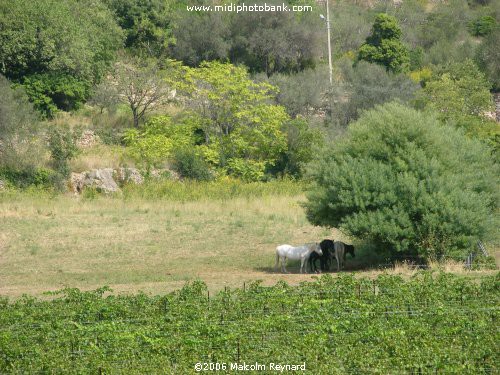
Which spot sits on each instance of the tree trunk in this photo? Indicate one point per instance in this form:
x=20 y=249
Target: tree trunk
x=136 y=118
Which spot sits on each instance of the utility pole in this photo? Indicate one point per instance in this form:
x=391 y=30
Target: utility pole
x=330 y=69
x=329 y=43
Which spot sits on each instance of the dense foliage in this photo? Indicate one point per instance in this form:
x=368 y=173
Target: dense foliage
x=459 y=90
x=50 y=44
x=441 y=323
x=242 y=130
x=146 y=23
x=393 y=181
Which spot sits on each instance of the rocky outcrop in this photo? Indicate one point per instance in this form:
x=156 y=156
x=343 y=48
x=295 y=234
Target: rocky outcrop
x=87 y=139
x=128 y=175
x=164 y=173
x=108 y=180
x=99 y=179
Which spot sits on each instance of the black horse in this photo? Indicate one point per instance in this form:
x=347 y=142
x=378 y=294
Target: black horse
x=325 y=259
x=328 y=249
x=349 y=249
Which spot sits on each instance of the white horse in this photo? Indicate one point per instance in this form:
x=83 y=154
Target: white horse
x=302 y=253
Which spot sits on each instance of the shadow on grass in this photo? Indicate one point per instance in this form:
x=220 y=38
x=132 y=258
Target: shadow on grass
x=366 y=259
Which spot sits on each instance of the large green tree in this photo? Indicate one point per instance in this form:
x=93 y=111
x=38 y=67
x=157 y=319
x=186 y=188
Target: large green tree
x=242 y=130
x=383 y=46
x=407 y=183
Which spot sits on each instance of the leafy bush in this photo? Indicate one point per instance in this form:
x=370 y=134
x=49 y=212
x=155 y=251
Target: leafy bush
x=393 y=181
x=62 y=148
x=189 y=164
x=235 y=117
x=23 y=178
x=51 y=92
x=246 y=170
x=156 y=142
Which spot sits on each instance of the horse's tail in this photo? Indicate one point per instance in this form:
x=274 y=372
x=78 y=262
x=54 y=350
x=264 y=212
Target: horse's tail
x=277 y=260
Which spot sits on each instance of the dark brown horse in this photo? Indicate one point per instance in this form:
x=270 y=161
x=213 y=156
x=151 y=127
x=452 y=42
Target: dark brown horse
x=325 y=259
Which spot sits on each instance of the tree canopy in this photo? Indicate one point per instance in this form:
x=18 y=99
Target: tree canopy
x=393 y=181
x=57 y=49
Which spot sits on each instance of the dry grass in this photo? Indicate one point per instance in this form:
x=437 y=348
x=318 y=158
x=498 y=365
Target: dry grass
x=100 y=156
x=155 y=245
x=145 y=245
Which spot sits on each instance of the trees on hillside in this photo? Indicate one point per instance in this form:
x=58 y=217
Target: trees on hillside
x=202 y=37
x=268 y=42
x=393 y=181
x=57 y=49
x=273 y=42
x=365 y=85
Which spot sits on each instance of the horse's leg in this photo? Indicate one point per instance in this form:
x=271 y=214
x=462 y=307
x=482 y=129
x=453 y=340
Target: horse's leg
x=277 y=262
x=283 y=265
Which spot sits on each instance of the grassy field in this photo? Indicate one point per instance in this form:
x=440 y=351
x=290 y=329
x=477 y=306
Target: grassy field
x=134 y=243
x=140 y=244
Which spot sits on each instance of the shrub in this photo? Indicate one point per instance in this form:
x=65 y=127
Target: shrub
x=62 y=149
x=191 y=165
x=393 y=181
x=23 y=178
